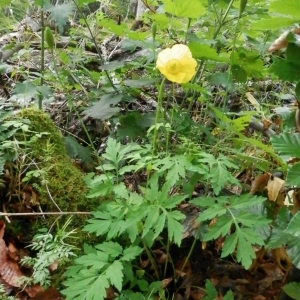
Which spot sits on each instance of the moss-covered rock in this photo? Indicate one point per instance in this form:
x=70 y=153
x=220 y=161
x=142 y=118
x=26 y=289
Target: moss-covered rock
x=59 y=177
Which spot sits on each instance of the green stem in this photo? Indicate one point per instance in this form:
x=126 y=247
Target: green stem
x=151 y=259
x=158 y=110
x=231 y=62
x=96 y=47
x=187 y=29
x=171 y=118
x=200 y=69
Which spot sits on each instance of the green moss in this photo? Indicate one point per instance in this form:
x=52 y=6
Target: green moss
x=60 y=178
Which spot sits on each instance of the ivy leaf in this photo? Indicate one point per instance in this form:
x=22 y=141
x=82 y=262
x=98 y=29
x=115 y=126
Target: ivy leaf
x=115 y=275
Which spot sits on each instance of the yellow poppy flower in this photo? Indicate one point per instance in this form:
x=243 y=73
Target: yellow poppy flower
x=177 y=63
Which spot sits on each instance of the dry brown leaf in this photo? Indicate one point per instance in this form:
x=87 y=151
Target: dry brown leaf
x=259 y=183
x=259 y=297
x=9 y=269
x=110 y=293
x=2 y=229
x=13 y=252
x=48 y=294
x=272 y=270
x=166 y=282
x=161 y=256
x=281 y=42
x=33 y=290
x=53 y=266
x=296 y=201
x=274 y=187
x=280 y=255
x=197 y=294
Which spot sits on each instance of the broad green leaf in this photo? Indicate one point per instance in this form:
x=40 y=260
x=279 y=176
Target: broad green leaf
x=160 y=224
x=229 y=296
x=206 y=52
x=292 y=53
x=5 y=2
x=172 y=202
x=115 y=275
x=287 y=144
x=291 y=9
x=247 y=219
x=220 y=228
x=285 y=70
x=243 y=201
x=273 y=23
x=151 y=219
x=60 y=14
x=103 y=109
x=297 y=92
x=245 y=253
x=185 y=9
x=97 y=290
x=210 y=290
x=212 y=212
x=229 y=244
x=175 y=228
x=89 y=259
x=111 y=248
x=251 y=236
x=293 y=251
x=131 y=253
x=292 y=289
x=203 y=201
x=238 y=73
x=293 y=178
x=277 y=239
x=294 y=225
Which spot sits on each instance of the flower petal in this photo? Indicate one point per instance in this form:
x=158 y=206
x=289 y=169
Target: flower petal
x=177 y=63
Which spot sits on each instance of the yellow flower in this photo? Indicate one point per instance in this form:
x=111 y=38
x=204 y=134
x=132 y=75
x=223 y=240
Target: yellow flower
x=177 y=63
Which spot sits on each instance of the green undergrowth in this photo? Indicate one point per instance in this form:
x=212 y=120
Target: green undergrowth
x=155 y=168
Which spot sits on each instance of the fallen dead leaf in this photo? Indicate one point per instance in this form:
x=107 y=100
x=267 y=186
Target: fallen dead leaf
x=282 y=42
x=48 y=294
x=2 y=229
x=166 y=282
x=296 y=201
x=274 y=187
x=259 y=183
